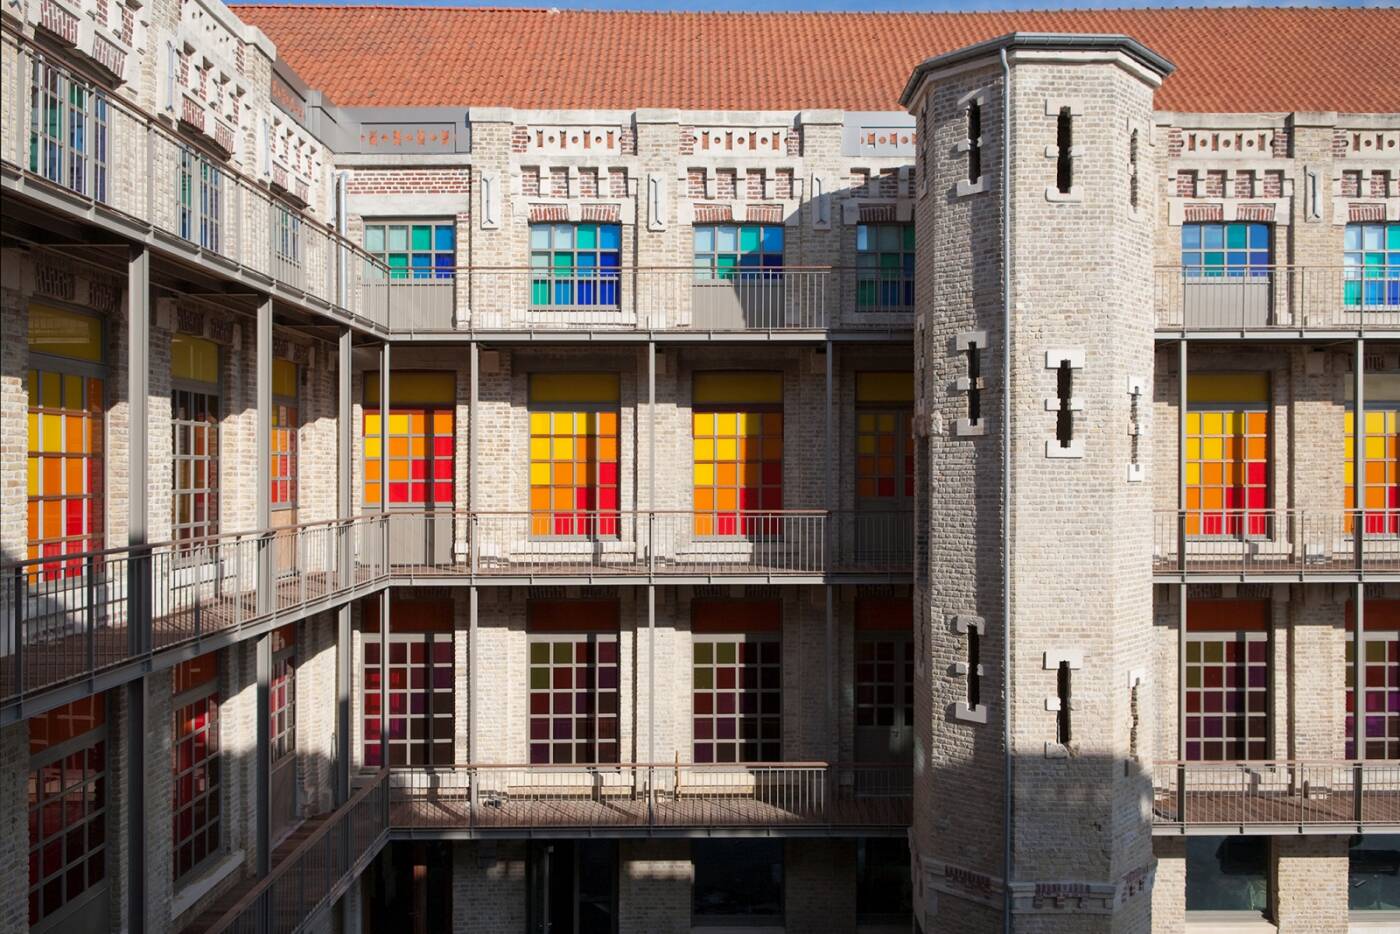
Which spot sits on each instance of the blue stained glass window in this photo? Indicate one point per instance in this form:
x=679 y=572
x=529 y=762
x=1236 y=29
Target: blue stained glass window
x=885 y=267
x=577 y=265
x=1371 y=261
x=418 y=249
x=719 y=248
x=1234 y=249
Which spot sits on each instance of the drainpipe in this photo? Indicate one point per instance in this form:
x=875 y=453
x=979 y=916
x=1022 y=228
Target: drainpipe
x=1008 y=805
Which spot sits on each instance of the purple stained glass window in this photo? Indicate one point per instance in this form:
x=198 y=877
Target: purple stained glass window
x=420 y=699
x=1227 y=696
x=737 y=698
x=1382 y=696
x=573 y=699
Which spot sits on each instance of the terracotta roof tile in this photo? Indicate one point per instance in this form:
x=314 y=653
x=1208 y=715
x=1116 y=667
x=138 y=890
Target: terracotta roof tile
x=1228 y=60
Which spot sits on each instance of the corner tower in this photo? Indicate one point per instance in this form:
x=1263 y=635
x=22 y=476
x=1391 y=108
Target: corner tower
x=1033 y=358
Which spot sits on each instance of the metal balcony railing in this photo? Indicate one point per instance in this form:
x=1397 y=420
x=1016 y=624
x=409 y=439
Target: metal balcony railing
x=70 y=617
x=505 y=298
x=1284 y=298
x=93 y=145
x=319 y=870
x=869 y=296
x=1291 y=542
x=670 y=795
x=1266 y=796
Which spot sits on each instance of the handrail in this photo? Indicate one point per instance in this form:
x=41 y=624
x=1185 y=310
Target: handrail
x=333 y=819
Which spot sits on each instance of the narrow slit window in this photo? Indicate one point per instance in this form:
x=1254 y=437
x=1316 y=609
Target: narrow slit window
x=974 y=667
x=1063 y=732
x=1064 y=418
x=974 y=381
x=974 y=141
x=1064 y=140
x=1133 y=170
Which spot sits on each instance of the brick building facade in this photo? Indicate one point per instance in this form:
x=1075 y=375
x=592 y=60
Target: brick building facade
x=635 y=498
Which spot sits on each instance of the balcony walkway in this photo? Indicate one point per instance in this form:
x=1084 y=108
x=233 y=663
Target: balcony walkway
x=209 y=917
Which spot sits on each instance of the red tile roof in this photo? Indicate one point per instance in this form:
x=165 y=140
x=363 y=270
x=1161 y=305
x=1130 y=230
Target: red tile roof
x=1228 y=60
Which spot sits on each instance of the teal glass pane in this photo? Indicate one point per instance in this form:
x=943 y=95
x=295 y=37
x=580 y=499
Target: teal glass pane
x=444 y=238
x=539 y=238
x=1235 y=237
x=865 y=293
x=374 y=239
x=724 y=264
x=869 y=261
x=748 y=239
x=539 y=292
x=397 y=260
x=889 y=261
x=398 y=238
x=1214 y=259
x=563 y=261
x=422 y=237
x=1351 y=292
x=1392 y=237
x=587 y=235
x=539 y=260
x=909 y=236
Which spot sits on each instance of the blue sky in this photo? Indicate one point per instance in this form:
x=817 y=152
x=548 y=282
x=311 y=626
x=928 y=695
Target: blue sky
x=880 y=5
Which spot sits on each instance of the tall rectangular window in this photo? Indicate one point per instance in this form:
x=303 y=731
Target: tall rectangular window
x=1381 y=499
x=575 y=264
x=885 y=267
x=721 y=250
x=1371 y=261
x=197 y=765
x=574 y=680
x=574 y=454
x=281 y=695
x=737 y=429
x=421 y=248
x=201 y=200
x=67 y=808
x=1228 y=874
x=737 y=680
x=410 y=677
x=884 y=438
x=286 y=243
x=884 y=679
x=1382 y=676
x=194 y=421
x=1226 y=250
x=65 y=470
x=68 y=132
x=285 y=423
x=1227 y=455
x=422 y=418
x=1227 y=680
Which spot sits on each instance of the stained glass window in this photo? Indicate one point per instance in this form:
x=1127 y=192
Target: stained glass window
x=1227 y=455
x=421 y=437
x=1227 y=680
x=194 y=422
x=65 y=468
x=197 y=764
x=737 y=681
x=285 y=423
x=1236 y=249
x=1372 y=265
x=574 y=454
x=68 y=132
x=737 y=436
x=1382 y=497
x=1382 y=675
x=424 y=248
x=884 y=267
x=574 y=679
x=884 y=437
x=421 y=718
x=575 y=264
x=721 y=249
x=281 y=695
x=67 y=805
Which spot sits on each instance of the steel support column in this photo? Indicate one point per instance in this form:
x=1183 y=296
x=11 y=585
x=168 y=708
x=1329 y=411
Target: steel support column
x=1182 y=403
x=384 y=676
x=263 y=758
x=263 y=445
x=1358 y=531
x=651 y=545
x=473 y=668
x=138 y=393
x=344 y=436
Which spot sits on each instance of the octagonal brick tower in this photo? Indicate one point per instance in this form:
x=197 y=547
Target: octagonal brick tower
x=1069 y=228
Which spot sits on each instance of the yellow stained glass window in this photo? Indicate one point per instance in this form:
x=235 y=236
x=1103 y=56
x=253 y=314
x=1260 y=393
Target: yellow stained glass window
x=420 y=457
x=1382 y=496
x=64 y=333
x=64 y=475
x=738 y=452
x=574 y=454
x=884 y=436
x=1227 y=455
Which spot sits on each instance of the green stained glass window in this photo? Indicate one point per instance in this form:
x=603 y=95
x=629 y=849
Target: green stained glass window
x=575 y=265
x=721 y=248
x=1371 y=261
x=885 y=267
x=414 y=249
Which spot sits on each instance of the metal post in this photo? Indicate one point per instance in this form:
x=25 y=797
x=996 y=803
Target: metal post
x=1181 y=700
x=345 y=440
x=473 y=412
x=384 y=463
x=343 y=641
x=831 y=671
x=265 y=603
x=651 y=473
x=651 y=674
x=828 y=441
x=473 y=670
x=138 y=324
x=384 y=677
x=1182 y=401
x=1358 y=670
x=1358 y=474
x=263 y=757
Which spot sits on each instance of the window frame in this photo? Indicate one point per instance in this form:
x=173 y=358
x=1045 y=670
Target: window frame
x=1245 y=639
x=549 y=281
x=553 y=690
x=182 y=532
x=429 y=411
x=1355 y=254
x=872 y=272
x=85 y=744
x=760 y=640
x=753 y=522
x=281 y=697
x=286 y=421
x=427 y=742
x=1249 y=261
x=1388 y=526
x=706 y=255
x=206 y=694
x=591 y=523
x=1254 y=523
x=71 y=146
x=435 y=270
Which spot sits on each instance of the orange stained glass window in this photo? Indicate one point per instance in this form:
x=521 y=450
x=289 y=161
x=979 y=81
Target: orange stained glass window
x=422 y=423
x=285 y=422
x=1382 y=486
x=1227 y=455
x=737 y=436
x=64 y=469
x=574 y=454
x=884 y=436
